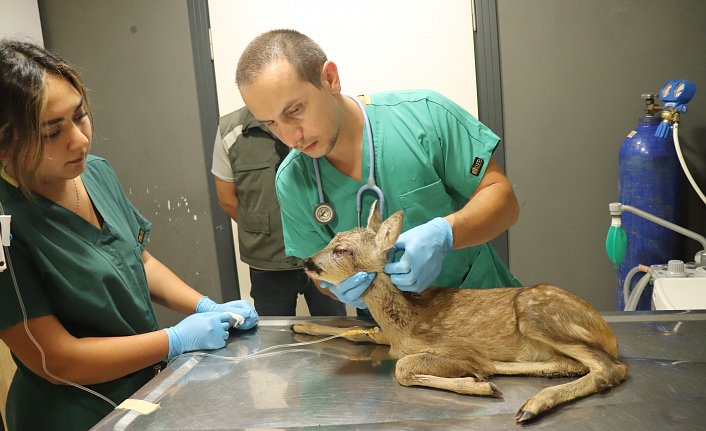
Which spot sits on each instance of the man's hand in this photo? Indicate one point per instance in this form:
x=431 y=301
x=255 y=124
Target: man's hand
x=350 y=289
x=425 y=248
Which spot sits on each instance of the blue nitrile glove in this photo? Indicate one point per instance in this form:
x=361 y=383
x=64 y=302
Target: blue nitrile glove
x=241 y=307
x=350 y=289
x=197 y=332
x=425 y=247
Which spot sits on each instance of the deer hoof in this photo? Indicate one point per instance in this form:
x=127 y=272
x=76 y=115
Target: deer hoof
x=524 y=416
x=496 y=391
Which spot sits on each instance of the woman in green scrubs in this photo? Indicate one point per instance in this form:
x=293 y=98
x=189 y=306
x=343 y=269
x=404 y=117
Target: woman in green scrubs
x=79 y=280
x=432 y=160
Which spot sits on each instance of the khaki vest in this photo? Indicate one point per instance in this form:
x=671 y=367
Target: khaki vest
x=254 y=157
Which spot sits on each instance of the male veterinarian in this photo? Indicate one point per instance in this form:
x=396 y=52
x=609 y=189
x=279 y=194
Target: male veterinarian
x=432 y=160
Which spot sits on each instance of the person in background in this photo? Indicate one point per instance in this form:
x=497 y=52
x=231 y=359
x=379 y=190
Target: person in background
x=432 y=160
x=75 y=299
x=245 y=159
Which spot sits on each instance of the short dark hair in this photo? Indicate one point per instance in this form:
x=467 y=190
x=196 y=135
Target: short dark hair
x=24 y=68
x=302 y=52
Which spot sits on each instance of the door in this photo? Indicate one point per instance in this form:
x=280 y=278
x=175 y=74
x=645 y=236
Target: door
x=378 y=46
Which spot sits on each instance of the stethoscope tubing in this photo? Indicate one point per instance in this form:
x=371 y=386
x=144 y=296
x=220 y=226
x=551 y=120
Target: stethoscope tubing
x=370 y=183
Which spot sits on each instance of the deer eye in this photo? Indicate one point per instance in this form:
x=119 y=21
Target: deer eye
x=340 y=251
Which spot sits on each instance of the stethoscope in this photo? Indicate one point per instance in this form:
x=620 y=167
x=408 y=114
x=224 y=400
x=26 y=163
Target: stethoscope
x=324 y=212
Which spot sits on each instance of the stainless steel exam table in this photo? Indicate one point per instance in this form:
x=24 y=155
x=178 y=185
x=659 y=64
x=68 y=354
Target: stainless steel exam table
x=338 y=385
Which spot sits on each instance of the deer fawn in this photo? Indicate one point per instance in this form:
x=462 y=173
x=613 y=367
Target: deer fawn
x=453 y=339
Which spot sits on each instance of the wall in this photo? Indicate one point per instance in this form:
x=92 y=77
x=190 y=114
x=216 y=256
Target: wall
x=424 y=46
x=20 y=19
x=572 y=76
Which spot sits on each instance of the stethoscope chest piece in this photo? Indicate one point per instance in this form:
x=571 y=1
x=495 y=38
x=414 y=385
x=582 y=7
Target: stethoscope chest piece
x=324 y=213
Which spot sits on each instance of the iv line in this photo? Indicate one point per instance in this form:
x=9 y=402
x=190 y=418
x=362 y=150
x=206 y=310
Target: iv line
x=677 y=146
x=259 y=353
x=31 y=337
x=104 y=398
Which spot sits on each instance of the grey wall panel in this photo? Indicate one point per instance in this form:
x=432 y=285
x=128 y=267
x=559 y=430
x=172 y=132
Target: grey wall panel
x=489 y=89
x=572 y=74
x=208 y=114
x=136 y=59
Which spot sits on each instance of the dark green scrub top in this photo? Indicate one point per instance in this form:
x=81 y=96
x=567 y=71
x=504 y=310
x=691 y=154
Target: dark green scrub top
x=92 y=280
x=430 y=156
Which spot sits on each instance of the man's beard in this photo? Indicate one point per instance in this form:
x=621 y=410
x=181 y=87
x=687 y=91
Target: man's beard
x=331 y=144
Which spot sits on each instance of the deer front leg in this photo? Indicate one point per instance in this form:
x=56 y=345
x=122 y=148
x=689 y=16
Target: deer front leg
x=356 y=334
x=430 y=370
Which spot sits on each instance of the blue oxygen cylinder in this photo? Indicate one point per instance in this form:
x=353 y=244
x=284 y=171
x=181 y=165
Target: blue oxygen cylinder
x=648 y=175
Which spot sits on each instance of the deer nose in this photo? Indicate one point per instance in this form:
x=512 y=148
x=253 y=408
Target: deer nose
x=311 y=266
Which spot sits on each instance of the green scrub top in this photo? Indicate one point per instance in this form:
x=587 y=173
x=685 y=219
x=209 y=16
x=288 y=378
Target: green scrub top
x=93 y=280
x=430 y=156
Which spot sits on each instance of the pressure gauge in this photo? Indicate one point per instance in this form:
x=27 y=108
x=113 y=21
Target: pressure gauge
x=666 y=89
x=677 y=93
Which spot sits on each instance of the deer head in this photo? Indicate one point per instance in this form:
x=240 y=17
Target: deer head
x=360 y=249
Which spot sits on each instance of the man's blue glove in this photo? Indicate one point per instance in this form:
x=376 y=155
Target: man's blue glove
x=241 y=307
x=350 y=289
x=197 y=332
x=425 y=247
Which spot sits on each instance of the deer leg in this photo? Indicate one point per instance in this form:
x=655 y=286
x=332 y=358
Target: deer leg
x=604 y=371
x=356 y=334
x=430 y=370
x=559 y=366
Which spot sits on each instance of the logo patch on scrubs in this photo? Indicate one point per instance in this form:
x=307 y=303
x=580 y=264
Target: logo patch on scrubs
x=141 y=236
x=477 y=166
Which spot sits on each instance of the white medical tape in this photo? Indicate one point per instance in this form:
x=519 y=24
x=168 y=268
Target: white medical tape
x=140 y=406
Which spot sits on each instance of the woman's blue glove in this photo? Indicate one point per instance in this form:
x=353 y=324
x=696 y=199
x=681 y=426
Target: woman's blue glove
x=197 y=332
x=425 y=247
x=350 y=289
x=241 y=307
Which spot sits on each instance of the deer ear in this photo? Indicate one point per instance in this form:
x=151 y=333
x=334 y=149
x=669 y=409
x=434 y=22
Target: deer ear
x=374 y=219
x=389 y=231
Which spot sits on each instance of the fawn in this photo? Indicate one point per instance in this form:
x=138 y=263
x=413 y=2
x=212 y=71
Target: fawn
x=453 y=339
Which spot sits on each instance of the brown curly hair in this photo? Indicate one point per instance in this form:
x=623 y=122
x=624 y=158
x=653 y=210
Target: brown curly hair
x=24 y=67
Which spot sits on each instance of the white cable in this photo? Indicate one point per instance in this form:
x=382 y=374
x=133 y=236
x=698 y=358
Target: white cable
x=677 y=146
x=34 y=341
x=631 y=305
x=628 y=282
x=259 y=353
